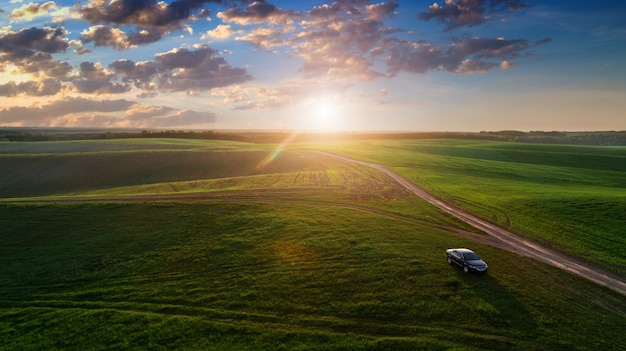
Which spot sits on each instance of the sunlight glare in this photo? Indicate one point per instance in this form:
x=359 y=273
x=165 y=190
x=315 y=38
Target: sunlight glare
x=325 y=115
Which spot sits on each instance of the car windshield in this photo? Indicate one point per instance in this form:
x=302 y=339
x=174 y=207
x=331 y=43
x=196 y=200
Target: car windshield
x=470 y=256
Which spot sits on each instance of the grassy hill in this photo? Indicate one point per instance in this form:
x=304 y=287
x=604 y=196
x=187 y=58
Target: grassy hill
x=571 y=198
x=305 y=253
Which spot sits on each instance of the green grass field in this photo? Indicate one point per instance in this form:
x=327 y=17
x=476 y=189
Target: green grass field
x=307 y=253
x=572 y=198
x=276 y=276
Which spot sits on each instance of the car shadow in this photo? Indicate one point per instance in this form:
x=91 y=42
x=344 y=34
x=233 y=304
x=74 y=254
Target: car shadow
x=489 y=302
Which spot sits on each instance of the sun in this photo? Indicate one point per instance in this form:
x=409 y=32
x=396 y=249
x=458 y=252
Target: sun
x=326 y=115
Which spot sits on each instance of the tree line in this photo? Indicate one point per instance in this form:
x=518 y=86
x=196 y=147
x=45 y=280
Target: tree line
x=600 y=138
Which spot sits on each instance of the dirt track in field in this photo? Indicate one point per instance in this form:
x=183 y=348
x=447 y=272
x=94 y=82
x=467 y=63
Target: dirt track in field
x=506 y=240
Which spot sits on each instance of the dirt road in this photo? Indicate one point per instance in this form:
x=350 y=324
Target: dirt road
x=506 y=240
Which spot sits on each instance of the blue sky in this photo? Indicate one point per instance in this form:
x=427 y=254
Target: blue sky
x=451 y=65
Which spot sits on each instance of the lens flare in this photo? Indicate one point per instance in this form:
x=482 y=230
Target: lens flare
x=271 y=157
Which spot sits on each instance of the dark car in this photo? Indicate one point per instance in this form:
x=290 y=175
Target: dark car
x=466 y=259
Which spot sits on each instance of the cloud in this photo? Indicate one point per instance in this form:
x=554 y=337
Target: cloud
x=31 y=11
x=467 y=13
x=267 y=99
x=102 y=35
x=30 y=51
x=95 y=79
x=336 y=41
x=17 y=46
x=42 y=64
x=176 y=70
x=197 y=70
x=346 y=39
x=264 y=38
x=152 y=19
x=142 y=112
x=381 y=10
x=45 y=87
x=506 y=65
x=487 y=48
x=141 y=74
x=221 y=32
x=139 y=12
x=163 y=116
x=72 y=112
x=36 y=115
x=258 y=12
x=473 y=55
x=181 y=69
x=166 y=117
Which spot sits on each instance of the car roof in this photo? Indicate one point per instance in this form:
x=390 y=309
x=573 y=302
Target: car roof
x=463 y=250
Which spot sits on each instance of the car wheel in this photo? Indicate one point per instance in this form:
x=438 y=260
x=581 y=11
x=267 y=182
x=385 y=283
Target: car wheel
x=449 y=260
x=465 y=269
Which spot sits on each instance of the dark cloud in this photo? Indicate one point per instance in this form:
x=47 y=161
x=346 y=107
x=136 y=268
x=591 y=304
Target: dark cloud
x=258 y=12
x=141 y=74
x=486 y=48
x=95 y=79
x=184 y=58
x=197 y=70
x=152 y=19
x=467 y=13
x=180 y=70
x=147 y=13
x=42 y=64
x=461 y=56
x=30 y=51
x=102 y=35
x=456 y=13
x=255 y=12
x=45 y=87
x=16 y=46
x=138 y=12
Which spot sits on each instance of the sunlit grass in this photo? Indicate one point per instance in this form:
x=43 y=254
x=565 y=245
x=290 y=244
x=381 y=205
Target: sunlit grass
x=568 y=197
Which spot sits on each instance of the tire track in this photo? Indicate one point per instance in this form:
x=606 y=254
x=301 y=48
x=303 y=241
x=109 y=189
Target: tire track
x=504 y=239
